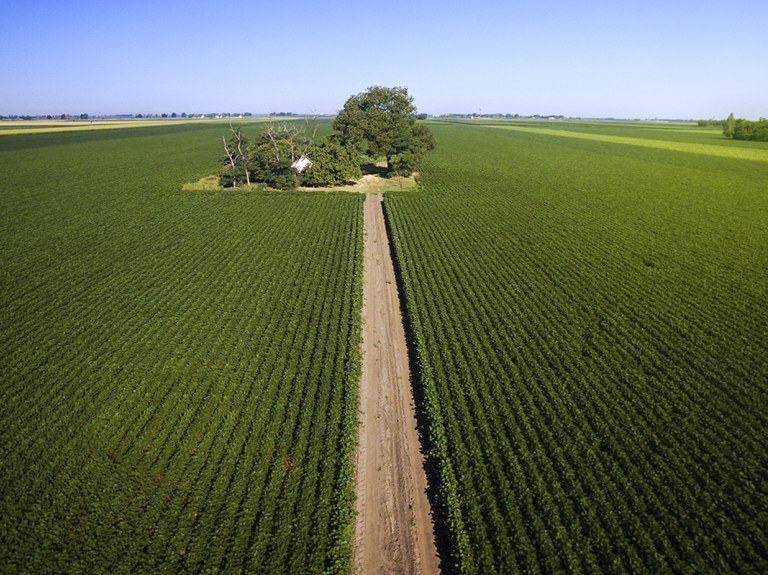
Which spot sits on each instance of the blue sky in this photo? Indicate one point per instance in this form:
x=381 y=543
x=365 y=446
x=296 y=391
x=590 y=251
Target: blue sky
x=591 y=58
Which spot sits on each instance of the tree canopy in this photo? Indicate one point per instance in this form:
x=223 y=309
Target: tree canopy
x=375 y=124
x=332 y=165
x=381 y=122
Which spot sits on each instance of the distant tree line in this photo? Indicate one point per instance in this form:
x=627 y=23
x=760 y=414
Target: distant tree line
x=121 y=116
x=44 y=117
x=711 y=123
x=739 y=128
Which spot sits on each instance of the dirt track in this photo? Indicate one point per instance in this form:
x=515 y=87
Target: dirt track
x=394 y=531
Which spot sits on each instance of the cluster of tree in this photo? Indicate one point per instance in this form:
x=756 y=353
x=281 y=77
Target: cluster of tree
x=741 y=129
x=280 y=158
x=375 y=125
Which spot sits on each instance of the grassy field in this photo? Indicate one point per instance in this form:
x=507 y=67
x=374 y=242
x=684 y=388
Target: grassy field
x=179 y=368
x=589 y=321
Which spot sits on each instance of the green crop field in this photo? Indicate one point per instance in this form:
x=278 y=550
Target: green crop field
x=586 y=307
x=590 y=328
x=179 y=369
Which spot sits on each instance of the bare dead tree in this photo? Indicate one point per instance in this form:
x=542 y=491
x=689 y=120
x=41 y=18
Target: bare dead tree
x=276 y=132
x=298 y=138
x=237 y=154
x=241 y=152
x=310 y=127
x=231 y=154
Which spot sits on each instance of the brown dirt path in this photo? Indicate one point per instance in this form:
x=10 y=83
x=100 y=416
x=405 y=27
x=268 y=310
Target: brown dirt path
x=394 y=532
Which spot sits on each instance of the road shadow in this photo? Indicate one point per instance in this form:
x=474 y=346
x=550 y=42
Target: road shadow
x=442 y=540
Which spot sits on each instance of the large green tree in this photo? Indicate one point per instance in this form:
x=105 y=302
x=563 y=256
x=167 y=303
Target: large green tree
x=381 y=122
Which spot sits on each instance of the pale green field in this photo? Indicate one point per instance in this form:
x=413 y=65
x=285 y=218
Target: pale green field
x=723 y=151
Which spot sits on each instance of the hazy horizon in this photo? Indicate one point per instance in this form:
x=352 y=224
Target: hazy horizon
x=595 y=59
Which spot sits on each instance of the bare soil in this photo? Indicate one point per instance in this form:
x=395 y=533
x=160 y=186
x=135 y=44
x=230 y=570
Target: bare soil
x=394 y=532
x=368 y=184
x=372 y=184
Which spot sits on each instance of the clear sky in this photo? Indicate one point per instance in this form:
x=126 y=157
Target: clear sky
x=591 y=58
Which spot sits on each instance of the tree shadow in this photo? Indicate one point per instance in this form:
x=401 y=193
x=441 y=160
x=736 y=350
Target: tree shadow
x=375 y=169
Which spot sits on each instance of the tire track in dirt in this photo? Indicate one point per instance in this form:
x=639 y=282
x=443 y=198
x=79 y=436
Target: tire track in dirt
x=394 y=531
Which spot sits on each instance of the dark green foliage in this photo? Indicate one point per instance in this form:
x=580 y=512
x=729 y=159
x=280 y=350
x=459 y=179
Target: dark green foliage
x=179 y=369
x=729 y=126
x=270 y=163
x=408 y=148
x=332 y=165
x=267 y=163
x=380 y=122
x=372 y=119
x=591 y=335
x=742 y=129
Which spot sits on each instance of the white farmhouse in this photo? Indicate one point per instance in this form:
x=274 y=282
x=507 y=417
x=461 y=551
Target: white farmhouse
x=302 y=164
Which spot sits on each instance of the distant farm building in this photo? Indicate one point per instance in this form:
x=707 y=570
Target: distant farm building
x=302 y=164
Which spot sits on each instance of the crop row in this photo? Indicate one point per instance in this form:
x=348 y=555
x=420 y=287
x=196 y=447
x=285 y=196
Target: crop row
x=180 y=373
x=593 y=376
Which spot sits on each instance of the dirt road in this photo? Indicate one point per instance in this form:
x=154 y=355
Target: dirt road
x=394 y=531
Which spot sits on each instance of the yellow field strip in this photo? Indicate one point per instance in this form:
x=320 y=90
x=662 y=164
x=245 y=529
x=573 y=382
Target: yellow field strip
x=42 y=128
x=760 y=155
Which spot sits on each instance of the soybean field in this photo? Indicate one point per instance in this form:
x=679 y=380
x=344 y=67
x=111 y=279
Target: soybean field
x=585 y=307
x=179 y=369
x=590 y=333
